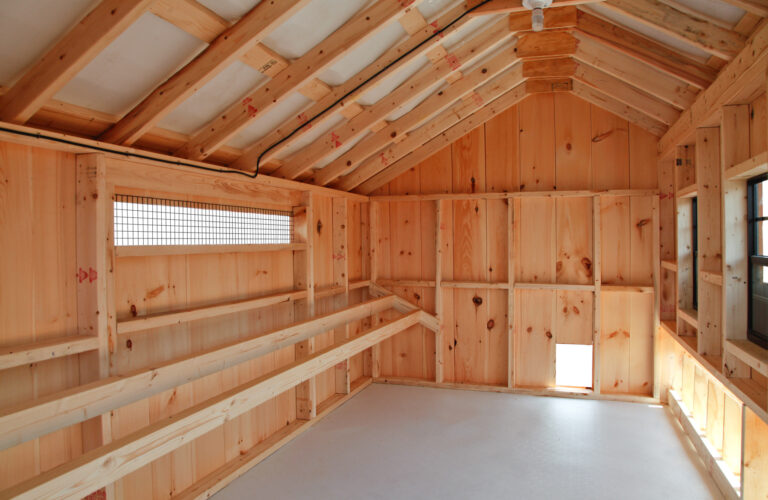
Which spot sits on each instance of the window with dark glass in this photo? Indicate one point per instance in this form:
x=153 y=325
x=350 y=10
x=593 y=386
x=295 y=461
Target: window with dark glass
x=757 y=200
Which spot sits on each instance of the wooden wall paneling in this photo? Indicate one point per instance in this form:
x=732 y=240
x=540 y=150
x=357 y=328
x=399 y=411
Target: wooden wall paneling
x=537 y=142
x=732 y=433
x=715 y=415
x=535 y=348
x=610 y=150
x=685 y=163
x=708 y=177
x=615 y=239
x=597 y=268
x=641 y=344
x=448 y=303
x=535 y=252
x=758 y=121
x=574 y=317
x=341 y=273
x=304 y=278
x=574 y=240
x=668 y=231
x=735 y=144
x=573 y=145
x=615 y=343
x=754 y=477
x=357 y=256
x=641 y=241
x=511 y=255
x=322 y=225
x=642 y=158
x=502 y=152
x=38 y=300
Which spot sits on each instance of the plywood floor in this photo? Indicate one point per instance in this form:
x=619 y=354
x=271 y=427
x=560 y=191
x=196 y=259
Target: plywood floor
x=418 y=443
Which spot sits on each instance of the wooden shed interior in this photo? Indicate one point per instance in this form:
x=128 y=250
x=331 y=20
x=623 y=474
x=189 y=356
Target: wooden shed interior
x=220 y=220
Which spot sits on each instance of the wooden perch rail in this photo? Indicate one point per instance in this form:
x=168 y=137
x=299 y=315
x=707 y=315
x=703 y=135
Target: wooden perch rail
x=42 y=416
x=106 y=464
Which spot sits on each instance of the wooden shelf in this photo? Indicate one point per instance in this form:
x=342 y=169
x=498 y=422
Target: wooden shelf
x=151 y=250
x=175 y=317
x=669 y=265
x=43 y=350
x=749 y=168
x=711 y=278
x=752 y=390
x=690 y=340
x=475 y=284
x=687 y=191
x=749 y=353
x=670 y=326
x=690 y=316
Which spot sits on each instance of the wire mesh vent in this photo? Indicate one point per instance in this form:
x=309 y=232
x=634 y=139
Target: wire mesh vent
x=145 y=221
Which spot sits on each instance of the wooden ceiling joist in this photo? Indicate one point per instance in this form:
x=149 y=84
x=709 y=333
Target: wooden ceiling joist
x=355 y=31
x=626 y=93
x=638 y=74
x=443 y=139
x=461 y=56
x=694 y=31
x=228 y=47
x=431 y=106
x=510 y=6
x=756 y=7
x=648 y=51
x=68 y=56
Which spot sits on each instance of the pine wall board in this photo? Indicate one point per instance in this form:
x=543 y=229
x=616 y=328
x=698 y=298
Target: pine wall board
x=548 y=142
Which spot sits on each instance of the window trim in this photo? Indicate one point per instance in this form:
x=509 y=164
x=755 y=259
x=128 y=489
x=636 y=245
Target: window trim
x=753 y=258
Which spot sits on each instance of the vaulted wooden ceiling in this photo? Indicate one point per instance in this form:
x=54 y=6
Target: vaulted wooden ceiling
x=431 y=79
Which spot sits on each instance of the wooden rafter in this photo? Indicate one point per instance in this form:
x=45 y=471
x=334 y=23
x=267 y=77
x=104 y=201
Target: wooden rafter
x=446 y=64
x=355 y=31
x=627 y=94
x=648 y=51
x=694 y=31
x=641 y=75
x=68 y=56
x=398 y=129
x=443 y=139
x=192 y=17
x=415 y=45
x=228 y=47
x=483 y=97
x=609 y=103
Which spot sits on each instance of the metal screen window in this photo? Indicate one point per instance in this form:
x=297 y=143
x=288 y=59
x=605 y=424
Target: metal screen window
x=145 y=221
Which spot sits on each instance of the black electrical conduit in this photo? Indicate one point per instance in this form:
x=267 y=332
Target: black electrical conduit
x=104 y=149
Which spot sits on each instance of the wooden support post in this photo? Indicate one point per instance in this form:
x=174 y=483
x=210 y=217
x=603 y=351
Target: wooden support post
x=709 y=237
x=734 y=136
x=511 y=293
x=304 y=277
x=373 y=222
x=597 y=279
x=656 y=299
x=94 y=303
x=341 y=278
x=439 y=302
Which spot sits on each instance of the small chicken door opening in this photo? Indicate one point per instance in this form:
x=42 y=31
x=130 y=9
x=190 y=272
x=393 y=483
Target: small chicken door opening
x=573 y=365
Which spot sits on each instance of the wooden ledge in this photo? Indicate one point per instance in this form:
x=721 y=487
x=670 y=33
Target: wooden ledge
x=749 y=353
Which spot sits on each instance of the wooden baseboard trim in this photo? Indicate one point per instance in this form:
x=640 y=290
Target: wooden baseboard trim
x=553 y=392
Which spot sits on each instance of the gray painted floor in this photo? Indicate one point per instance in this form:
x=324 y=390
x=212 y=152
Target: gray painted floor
x=418 y=443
